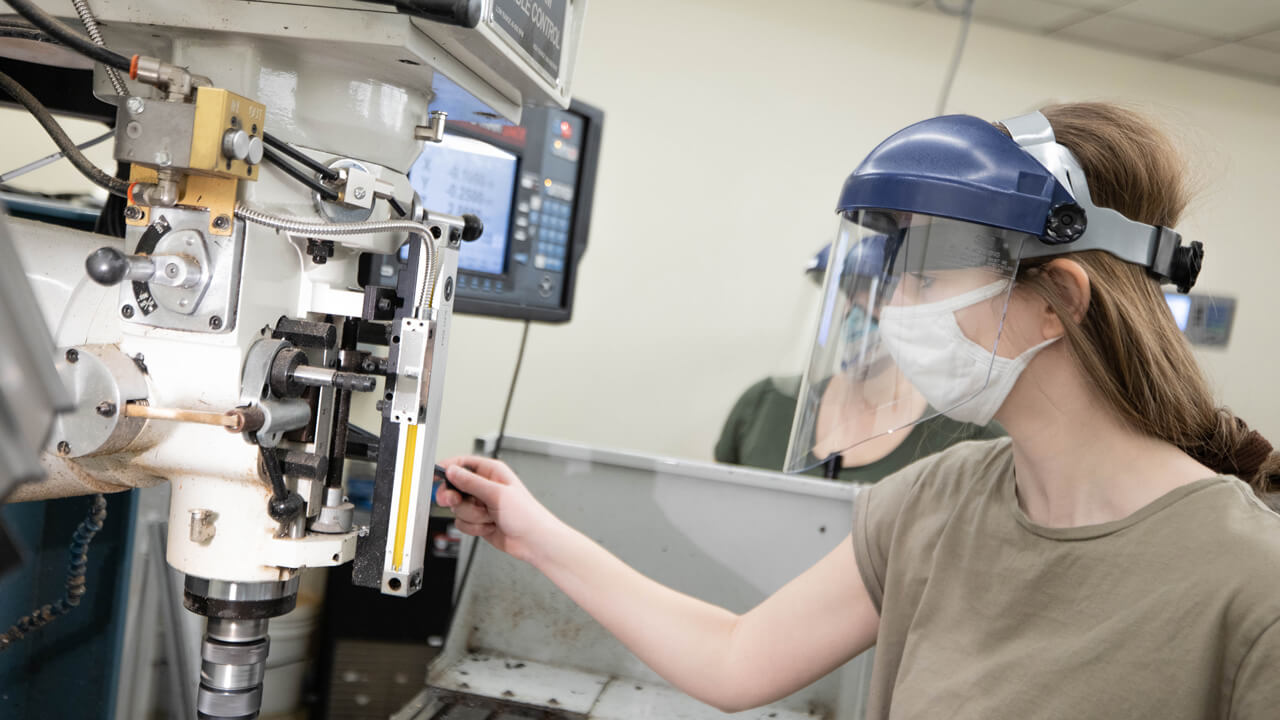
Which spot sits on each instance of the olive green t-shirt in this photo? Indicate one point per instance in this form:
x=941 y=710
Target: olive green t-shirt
x=1170 y=613
x=758 y=430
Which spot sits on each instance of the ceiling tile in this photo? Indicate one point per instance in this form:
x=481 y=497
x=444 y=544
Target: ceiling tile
x=1220 y=18
x=1035 y=15
x=1266 y=41
x=1239 y=59
x=1119 y=33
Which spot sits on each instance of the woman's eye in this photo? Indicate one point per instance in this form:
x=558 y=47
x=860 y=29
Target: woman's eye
x=922 y=281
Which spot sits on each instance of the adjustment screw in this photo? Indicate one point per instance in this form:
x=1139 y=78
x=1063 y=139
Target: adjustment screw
x=127 y=311
x=64 y=448
x=133 y=212
x=215 y=323
x=73 y=355
x=222 y=222
x=171 y=270
x=106 y=409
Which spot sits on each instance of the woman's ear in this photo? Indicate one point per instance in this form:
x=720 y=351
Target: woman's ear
x=1072 y=284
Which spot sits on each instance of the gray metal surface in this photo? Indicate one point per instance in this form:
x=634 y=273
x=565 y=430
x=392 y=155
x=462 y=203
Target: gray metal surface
x=102 y=380
x=30 y=389
x=727 y=535
x=208 y=305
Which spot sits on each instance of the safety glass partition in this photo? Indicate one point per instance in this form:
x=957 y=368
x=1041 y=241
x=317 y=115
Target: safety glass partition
x=889 y=349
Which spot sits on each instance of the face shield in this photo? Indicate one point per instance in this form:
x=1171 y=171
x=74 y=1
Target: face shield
x=911 y=313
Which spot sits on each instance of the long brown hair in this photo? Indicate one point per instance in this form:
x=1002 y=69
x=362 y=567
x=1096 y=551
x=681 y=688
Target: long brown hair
x=1127 y=342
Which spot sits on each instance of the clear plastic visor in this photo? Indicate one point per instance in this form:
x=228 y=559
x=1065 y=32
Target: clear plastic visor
x=910 y=313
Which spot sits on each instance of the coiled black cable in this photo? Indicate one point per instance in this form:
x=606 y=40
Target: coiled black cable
x=113 y=185
x=65 y=35
x=75 y=41
x=76 y=568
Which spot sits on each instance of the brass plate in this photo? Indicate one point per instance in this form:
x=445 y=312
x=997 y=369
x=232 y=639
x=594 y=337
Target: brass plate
x=218 y=111
x=215 y=194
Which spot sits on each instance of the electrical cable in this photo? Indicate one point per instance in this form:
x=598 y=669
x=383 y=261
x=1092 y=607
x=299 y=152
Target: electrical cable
x=314 y=165
x=65 y=35
x=511 y=391
x=497 y=447
x=91 y=27
x=75 y=584
x=50 y=159
x=24 y=31
x=113 y=185
x=294 y=226
x=326 y=193
x=395 y=205
x=966 y=19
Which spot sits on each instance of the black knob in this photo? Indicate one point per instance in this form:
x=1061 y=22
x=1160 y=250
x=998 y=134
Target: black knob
x=1066 y=223
x=107 y=266
x=472 y=227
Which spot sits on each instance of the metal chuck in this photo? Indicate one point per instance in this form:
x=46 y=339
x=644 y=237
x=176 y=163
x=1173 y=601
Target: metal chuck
x=234 y=652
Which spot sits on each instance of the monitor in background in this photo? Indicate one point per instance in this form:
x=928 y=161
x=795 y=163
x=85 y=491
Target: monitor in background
x=461 y=175
x=1205 y=319
x=532 y=184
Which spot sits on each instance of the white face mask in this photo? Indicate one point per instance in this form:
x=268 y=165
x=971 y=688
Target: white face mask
x=954 y=374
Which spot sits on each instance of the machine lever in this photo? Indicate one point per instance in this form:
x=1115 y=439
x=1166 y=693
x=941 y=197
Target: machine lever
x=108 y=266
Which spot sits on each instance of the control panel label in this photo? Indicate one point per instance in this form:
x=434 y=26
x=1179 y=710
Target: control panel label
x=535 y=26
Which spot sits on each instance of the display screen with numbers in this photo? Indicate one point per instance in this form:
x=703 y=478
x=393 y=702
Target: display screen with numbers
x=532 y=186
x=461 y=175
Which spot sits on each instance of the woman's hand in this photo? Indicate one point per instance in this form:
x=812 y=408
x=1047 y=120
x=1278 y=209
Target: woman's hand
x=499 y=507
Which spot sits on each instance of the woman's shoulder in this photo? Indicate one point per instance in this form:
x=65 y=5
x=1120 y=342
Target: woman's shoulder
x=944 y=480
x=1235 y=523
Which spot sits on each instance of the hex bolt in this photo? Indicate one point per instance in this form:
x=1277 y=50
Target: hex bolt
x=215 y=323
x=127 y=311
x=64 y=448
x=136 y=105
x=73 y=355
x=222 y=222
x=106 y=409
x=164 y=159
x=133 y=212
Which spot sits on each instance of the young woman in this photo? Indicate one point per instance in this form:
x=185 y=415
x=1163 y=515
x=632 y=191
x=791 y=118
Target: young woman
x=1100 y=562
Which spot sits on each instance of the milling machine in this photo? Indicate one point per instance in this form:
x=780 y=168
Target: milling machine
x=217 y=345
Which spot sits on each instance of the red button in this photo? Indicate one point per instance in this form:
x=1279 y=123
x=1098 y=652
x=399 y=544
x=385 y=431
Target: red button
x=566 y=130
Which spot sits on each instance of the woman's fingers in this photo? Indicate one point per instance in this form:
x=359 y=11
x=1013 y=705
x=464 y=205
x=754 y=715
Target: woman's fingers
x=494 y=470
x=472 y=512
x=477 y=529
x=477 y=486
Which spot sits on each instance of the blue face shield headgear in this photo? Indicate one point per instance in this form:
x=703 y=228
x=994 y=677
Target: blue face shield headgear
x=953 y=205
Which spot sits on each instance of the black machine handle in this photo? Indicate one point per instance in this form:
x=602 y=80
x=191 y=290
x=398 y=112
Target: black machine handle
x=463 y=13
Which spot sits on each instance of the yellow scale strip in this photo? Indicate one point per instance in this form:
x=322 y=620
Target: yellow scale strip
x=406 y=485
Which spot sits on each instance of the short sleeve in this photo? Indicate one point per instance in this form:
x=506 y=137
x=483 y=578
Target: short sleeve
x=875 y=518
x=1256 y=694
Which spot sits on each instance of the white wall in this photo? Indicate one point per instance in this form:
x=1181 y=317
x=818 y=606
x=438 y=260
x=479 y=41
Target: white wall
x=732 y=124
x=730 y=127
